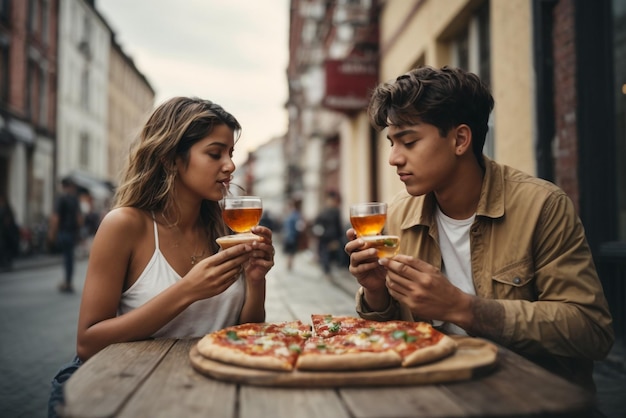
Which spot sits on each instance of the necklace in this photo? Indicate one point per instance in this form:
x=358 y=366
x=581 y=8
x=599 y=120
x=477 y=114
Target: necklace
x=195 y=257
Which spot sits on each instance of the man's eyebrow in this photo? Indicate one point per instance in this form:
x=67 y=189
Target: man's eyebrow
x=402 y=133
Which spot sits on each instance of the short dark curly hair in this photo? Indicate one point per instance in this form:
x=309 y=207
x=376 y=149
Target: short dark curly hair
x=445 y=98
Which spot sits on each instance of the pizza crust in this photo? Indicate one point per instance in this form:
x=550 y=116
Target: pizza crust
x=210 y=348
x=348 y=361
x=443 y=348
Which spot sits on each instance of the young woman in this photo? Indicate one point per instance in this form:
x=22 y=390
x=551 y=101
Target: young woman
x=154 y=268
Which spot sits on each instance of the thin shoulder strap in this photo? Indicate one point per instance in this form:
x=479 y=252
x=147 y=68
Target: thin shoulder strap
x=156 y=231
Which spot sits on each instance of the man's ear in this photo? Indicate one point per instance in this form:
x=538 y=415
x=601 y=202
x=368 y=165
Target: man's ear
x=463 y=139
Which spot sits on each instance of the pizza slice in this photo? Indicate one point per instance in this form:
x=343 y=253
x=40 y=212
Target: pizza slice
x=270 y=346
x=416 y=342
x=362 y=350
x=327 y=325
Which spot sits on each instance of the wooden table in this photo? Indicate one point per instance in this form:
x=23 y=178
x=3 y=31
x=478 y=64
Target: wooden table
x=155 y=379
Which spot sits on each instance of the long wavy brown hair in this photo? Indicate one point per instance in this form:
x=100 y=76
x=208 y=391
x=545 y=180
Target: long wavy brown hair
x=148 y=179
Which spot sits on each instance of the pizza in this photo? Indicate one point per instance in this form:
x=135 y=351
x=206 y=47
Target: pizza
x=358 y=351
x=326 y=325
x=333 y=343
x=271 y=346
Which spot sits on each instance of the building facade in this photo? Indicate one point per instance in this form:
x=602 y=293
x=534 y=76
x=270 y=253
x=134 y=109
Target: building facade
x=333 y=60
x=82 y=108
x=131 y=99
x=28 y=73
x=60 y=74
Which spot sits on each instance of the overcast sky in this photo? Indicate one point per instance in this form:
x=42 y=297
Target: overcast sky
x=233 y=52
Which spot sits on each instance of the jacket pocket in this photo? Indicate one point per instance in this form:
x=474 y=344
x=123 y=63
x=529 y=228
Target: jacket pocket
x=515 y=281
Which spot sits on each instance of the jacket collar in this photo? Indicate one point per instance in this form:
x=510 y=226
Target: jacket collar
x=491 y=202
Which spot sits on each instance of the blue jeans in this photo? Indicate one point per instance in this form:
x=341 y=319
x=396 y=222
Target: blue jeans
x=67 y=241
x=57 y=398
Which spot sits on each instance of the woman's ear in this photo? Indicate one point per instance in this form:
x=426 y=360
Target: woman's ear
x=463 y=139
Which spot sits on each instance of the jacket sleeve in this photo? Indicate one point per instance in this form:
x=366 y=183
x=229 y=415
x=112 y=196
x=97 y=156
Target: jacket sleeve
x=571 y=316
x=394 y=311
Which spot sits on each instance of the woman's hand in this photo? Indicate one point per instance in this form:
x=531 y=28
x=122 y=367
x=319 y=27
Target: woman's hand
x=262 y=256
x=214 y=274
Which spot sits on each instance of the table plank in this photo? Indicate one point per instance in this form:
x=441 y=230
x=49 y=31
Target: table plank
x=513 y=390
x=110 y=377
x=259 y=401
x=396 y=402
x=174 y=387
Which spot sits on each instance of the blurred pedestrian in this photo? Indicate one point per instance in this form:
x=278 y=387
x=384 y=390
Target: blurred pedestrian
x=155 y=269
x=91 y=222
x=267 y=220
x=294 y=227
x=328 y=228
x=64 y=230
x=9 y=235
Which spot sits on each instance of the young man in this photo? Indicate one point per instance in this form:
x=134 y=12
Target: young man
x=486 y=250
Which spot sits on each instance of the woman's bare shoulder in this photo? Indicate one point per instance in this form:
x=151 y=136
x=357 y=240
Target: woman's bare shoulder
x=130 y=220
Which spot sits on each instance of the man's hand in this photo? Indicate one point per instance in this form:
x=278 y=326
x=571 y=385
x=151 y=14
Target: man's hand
x=369 y=273
x=430 y=295
x=425 y=290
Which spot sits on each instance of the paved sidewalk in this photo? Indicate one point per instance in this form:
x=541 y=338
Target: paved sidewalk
x=37 y=261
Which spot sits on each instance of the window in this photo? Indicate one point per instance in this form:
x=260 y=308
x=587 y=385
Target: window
x=45 y=21
x=5 y=10
x=4 y=72
x=83 y=150
x=32 y=15
x=471 y=51
x=43 y=97
x=31 y=89
x=84 y=89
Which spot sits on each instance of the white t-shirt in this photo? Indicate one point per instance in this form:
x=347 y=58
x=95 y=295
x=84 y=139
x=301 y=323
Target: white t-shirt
x=454 y=242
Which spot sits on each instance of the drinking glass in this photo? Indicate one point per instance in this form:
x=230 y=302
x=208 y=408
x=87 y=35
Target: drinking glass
x=241 y=213
x=368 y=218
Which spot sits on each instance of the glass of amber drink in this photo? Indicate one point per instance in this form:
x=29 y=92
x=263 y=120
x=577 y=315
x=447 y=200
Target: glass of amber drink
x=386 y=245
x=241 y=213
x=368 y=218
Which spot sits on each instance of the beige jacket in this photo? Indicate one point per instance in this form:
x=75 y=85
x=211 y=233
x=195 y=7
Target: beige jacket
x=529 y=252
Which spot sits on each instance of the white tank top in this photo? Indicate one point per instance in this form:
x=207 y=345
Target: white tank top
x=200 y=318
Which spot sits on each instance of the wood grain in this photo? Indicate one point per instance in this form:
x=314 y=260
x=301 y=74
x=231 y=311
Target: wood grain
x=173 y=383
x=473 y=358
x=116 y=374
